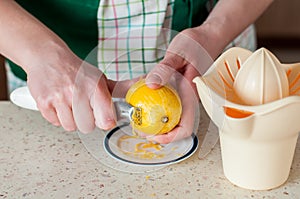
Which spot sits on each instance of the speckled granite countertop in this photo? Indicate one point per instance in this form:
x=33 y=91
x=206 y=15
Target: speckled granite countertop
x=38 y=160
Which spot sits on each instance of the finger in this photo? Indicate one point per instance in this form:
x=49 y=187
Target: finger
x=190 y=109
x=65 y=116
x=48 y=111
x=104 y=111
x=51 y=116
x=189 y=74
x=183 y=130
x=164 y=138
x=119 y=89
x=82 y=111
x=162 y=72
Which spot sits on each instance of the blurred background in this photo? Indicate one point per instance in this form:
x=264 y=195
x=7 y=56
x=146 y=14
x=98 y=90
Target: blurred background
x=278 y=30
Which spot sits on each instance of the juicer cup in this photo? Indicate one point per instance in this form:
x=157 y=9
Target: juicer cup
x=257 y=142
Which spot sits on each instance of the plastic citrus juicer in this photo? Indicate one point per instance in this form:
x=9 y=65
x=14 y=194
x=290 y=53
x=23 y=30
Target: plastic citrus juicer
x=254 y=100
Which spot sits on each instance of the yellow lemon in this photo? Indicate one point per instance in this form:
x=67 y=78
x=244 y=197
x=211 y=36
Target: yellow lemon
x=157 y=111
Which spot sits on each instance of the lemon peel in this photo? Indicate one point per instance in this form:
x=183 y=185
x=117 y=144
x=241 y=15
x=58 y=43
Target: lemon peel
x=157 y=111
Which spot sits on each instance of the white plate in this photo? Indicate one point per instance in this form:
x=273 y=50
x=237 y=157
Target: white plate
x=95 y=144
x=125 y=150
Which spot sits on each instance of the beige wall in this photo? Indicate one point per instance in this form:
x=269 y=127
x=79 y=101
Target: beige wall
x=281 y=20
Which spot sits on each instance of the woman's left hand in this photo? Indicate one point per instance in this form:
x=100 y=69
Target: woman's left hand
x=185 y=59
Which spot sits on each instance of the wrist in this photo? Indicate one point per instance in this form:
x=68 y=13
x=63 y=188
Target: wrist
x=52 y=54
x=213 y=38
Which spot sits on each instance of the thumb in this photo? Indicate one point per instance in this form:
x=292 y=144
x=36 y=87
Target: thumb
x=162 y=72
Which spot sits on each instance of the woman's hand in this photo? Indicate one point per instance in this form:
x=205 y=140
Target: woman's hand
x=68 y=91
x=184 y=60
x=71 y=93
x=193 y=50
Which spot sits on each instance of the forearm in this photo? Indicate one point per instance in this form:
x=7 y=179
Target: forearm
x=24 y=39
x=228 y=19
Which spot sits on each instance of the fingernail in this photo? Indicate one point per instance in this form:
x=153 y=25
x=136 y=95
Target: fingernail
x=106 y=124
x=153 y=80
x=110 y=123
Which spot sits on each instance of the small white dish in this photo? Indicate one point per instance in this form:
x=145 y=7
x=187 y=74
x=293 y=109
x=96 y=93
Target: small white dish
x=22 y=98
x=95 y=141
x=125 y=150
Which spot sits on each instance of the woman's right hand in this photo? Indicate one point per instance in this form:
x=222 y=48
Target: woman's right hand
x=68 y=91
x=71 y=92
